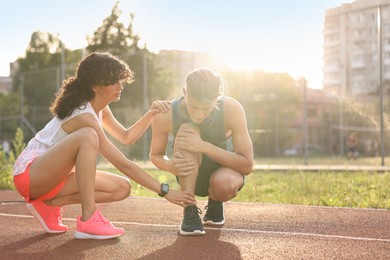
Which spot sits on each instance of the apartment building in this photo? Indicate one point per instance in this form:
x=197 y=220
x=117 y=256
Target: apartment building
x=356 y=48
x=5 y=84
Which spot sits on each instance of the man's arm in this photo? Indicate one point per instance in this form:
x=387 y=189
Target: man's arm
x=160 y=132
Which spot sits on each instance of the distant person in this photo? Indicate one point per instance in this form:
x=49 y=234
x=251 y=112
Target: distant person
x=352 y=143
x=58 y=166
x=6 y=147
x=375 y=148
x=212 y=148
x=335 y=149
x=368 y=147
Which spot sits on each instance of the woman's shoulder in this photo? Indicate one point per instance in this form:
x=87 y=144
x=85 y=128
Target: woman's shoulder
x=84 y=115
x=85 y=108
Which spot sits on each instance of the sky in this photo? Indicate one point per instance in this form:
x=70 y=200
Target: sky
x=275 y=36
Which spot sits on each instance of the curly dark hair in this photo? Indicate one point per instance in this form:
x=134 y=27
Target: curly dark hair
x=98 y=68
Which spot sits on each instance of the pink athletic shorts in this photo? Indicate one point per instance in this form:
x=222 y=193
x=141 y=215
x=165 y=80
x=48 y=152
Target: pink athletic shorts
x=22 y=184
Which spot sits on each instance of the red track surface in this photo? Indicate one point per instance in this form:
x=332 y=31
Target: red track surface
x=252 y=231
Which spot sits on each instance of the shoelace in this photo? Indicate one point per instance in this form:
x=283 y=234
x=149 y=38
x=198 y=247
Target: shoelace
x=194 y=215
x=59 y=212
x=103 y=219
x=214 y=209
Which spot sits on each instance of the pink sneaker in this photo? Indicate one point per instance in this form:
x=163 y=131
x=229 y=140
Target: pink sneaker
x=50 y=218
x=97 y=227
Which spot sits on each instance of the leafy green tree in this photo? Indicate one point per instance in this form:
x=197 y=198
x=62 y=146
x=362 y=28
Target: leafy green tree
x=114 y=37
x=38 y=70
x=7 y=161
x=9 y=115
x=39 y=75
x=150 y=75
x=122 y=41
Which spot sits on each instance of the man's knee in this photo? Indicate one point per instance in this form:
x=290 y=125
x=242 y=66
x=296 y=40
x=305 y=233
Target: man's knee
x=186 y=126
x=196 y=156
x=225 y=186
x=224 y=192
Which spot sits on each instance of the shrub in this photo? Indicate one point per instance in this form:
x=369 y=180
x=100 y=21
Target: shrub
x=7 y=161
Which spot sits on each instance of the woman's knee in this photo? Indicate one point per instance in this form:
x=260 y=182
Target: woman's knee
x=126 y=188
x=123 y=189
x=88 y=136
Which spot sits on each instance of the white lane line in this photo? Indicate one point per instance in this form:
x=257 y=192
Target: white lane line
x=239 y=203
x=285 y=233
x=304 y=234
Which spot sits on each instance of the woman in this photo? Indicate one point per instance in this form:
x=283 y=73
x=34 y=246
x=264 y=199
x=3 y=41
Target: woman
x=58 y=166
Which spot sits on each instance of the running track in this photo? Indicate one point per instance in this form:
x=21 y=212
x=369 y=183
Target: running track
x=252 y=231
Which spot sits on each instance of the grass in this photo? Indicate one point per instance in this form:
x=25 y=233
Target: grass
x=322 y=160
x=338 y=189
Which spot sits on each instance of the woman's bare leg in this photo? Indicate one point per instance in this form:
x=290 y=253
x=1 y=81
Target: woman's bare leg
x=80 y=148
x=108 y=188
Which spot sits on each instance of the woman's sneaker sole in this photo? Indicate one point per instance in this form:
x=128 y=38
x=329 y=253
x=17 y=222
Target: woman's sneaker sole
x=81 y=235
x=38 y=217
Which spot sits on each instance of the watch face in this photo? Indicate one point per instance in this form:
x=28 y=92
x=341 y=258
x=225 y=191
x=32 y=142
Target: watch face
x=165 y=188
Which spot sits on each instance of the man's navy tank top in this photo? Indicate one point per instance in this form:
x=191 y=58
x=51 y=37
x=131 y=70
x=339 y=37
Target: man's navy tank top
x=212 y=129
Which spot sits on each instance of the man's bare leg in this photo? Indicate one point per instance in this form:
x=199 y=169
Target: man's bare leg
x=192 y=224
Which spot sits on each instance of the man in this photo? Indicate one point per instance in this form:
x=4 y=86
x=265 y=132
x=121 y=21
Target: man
x=212 y=148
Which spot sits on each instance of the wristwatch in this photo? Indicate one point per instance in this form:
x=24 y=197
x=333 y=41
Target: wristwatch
x=164 y=190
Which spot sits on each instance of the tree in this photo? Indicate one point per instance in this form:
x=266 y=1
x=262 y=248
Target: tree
x=150 y=76
x=39 y=67
x=7 y=160
x=114 y=37
x=9 y=115
x=39 y=74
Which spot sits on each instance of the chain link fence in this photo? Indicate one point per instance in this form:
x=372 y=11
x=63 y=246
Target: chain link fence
x=317 y=131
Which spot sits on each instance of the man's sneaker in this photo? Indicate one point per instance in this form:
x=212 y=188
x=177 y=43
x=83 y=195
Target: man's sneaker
x=192 y=224
x=49 y=217
x=97 y=227
x=214 y=213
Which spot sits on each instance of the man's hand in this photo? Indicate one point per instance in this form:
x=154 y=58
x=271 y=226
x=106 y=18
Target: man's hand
x=182 y=166
x=189 y=140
